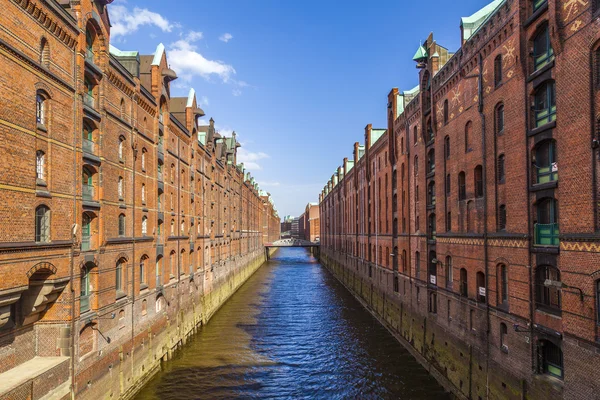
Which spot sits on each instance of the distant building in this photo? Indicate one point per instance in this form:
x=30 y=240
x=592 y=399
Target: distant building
x=286 y=226
x=312 y=224
x=295 y=228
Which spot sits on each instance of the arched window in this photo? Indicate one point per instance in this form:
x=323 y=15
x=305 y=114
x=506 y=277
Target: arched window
x=86 y=231
x=462 y=189
x=478 y=183
x=468 y=132
x=40 y=108
x=120 y=188
x=416 y=166
x=499 y=120
x=182 y=230
x=172 y=173
x=42 y=224
x=88 y=138
x=144 y=225
x=85 y=289
x=447 y=147
x=119 y=274
x=143 y=193
x=546 y=227
x=121 y=224
x=432 y=268
x=448 y=221
x=502 y=217
x=544 y=104
x=89 y=45
x=45 y=53
x=464 y=290
x=498 y=70
x=481 y=288
x=551 y=358
x=404 y=261
x=501 y=171
x=446 y=111
x=122 y=108
x=144 y=151
x=547 y=296
x=542 y=49
x=40 y=161
x=143 y=279
x=502 y=276
x=173 y=263
x=159 y=270
x=121 y=148
x=545 y=162
x=449 y=272
x=415 y=135
x=431 y=161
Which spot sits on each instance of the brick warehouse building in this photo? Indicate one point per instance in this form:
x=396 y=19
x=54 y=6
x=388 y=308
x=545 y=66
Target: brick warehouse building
x=126 y=224
x=447 y=222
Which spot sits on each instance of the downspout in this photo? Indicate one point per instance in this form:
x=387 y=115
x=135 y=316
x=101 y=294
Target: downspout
x=594 y=146
x=73 y=230
x=485 y=222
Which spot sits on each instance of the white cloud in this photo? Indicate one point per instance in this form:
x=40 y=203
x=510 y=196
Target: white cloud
x=194 y=36
x=184 y=59
x=226 y=37
x=236 y=92
x=125 y=22
x=269 y=184
x=250 y=159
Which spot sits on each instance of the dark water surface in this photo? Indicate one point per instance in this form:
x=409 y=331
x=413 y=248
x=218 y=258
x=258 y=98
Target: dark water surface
x=293 y=331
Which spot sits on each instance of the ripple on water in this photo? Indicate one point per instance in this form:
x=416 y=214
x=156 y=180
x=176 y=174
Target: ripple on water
x=293 y=331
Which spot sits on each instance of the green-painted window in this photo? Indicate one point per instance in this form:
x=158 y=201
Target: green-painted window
x=545 y=162
x=537 y=4
x=546 y=228
x=542 y=49
x=545 y=104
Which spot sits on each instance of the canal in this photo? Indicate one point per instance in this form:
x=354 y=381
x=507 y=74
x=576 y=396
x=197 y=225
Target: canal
x=292 y=331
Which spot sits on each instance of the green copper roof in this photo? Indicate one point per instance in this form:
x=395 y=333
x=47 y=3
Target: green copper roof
x=472 y=24
x=118 y=53
x=420 y=54
x=376 y=134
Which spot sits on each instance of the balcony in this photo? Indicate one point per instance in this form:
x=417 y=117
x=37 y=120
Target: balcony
x=84 y=303
x=546 y=234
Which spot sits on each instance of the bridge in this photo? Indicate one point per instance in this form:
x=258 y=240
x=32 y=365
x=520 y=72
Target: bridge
x=292 y=243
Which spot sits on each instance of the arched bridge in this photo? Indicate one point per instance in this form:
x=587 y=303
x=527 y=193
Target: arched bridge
x=292 y=243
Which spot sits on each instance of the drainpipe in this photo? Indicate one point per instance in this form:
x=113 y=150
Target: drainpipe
x=594 y=142
x=485 y=223
x=73 y=231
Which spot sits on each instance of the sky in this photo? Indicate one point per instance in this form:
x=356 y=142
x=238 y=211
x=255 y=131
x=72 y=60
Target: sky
x=297 y=81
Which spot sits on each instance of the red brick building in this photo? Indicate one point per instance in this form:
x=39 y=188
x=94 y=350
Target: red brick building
x=310 y=222
x=447 y=223
x=126 y=223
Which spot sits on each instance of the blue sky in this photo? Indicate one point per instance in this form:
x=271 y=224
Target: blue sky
x=297 y=80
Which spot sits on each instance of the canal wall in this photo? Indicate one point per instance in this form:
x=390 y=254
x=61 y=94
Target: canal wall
x=459 y=356
x=159 y=322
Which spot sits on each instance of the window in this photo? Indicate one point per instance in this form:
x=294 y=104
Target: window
x=39 y=164
x=122 y=108
x=449 y=272
x=144 y=225
x=537 y=4
x=545 y=104
x=415 y=136
x=448 y=221
x=481 y=287
x=431 y=161
x=545 y=162
x=551 y=358
x=42 y=224
x=547 y=297
x=45 y=53
x=431 y=194
x=41 y=109
x=404 y=261
x=88 y=138
x=502 y=217
x=416 y=166
x=498 y=70
x=396 y=284
x=463 y=283
x=143 y=159
x=120 y=188
x=468 y=131
x=417 y=264
x=445 y=111
x=501 y=173
x=542 y=50
x=172 y=227
x=478 y=176
x=119 y=275
x=121 y=224
x=546 y=227
x=86 y=232
x=159 y=274
x=502 y=285
x=499 y=120
x=160 y=170
x=143 y=270
x=89 y=44
x=448 y=187
x=447 y=147
x=430 y=134
x=503 y=334
x=121 y=148
x=143 y=193
x=432 y=229
x=433 y=302
x=182 y=231
x=462 y=189
x=172 y=173
x=88 y=96
x=84 y=292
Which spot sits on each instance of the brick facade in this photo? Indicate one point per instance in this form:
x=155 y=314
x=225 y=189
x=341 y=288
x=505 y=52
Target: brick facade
x=126 y=223
x=492 y=152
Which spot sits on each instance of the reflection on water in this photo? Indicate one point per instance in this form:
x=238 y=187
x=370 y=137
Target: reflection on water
x=293 y=331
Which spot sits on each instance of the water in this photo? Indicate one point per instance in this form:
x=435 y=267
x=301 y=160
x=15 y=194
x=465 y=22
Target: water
x=293 y=331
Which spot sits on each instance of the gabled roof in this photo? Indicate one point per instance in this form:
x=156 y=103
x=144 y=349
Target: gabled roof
x=376 y=134
x=160 y=50
x=420 y=54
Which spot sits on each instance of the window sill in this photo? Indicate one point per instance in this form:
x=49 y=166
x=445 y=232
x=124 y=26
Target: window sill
x=143 y=287
x=536 y=74
x=535 y=15
x=122 y=161
x=41 y=127
x=120 y=295
x=543 y=186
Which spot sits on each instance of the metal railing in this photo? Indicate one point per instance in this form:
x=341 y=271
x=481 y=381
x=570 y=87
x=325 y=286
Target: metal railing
x=546 y=234
x=88 y=146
